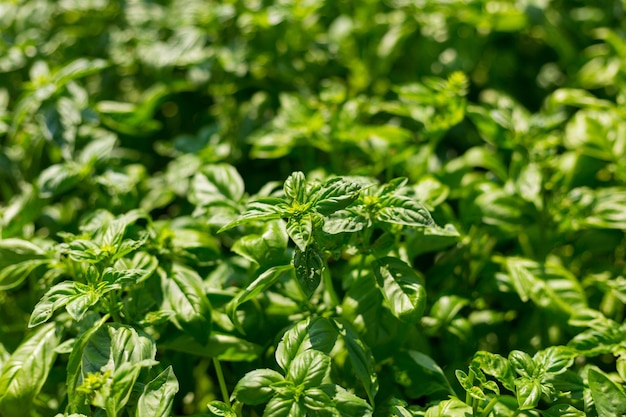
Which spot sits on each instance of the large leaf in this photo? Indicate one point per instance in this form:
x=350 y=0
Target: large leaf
x=419 y=374
x=309 y=368
x=316 y=333
x=608 y=397
x=158 y=395
x=335 y=194
x=262 y=283
x=401 y=287
x=360 y=357
x=185 y=294
x=403 y=210
x=18 y=258
x=217 y=184
x=256 y=386
x=25 y=372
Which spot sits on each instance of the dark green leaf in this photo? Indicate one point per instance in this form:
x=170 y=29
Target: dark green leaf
x=308 y=266
x=360 y=357
x=419 y=374
x=344 y=221
x=263 y=282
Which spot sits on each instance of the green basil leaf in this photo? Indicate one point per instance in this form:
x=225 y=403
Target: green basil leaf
x=75 y=367
x=562 y=410
x=221 y=346
x=308 y=266
x=121 y=387
x=401 y=287
x=295 y=187
x=263 y=209
x=185 y=294
x=55 y=298
x=336 y=194
x=219 y=408
x=216 y=184
x=262 y=283
x=281 y=406
x=256 y=386
x=346 y=402
x=300 y=230
x=344 y=221
x=316 y=399
x=528 y=392
x=555 y=359
x=398 y=209
x=522 y=363
x=158 y=395
x=309 y=368
x=18 y=258
x=312 y=333
x=419 y=374
x=496 y=366
x=360 y=357
x=450 y=408
x=608 y=397
x=266 y=248
x=26 y=370
x=58 y=179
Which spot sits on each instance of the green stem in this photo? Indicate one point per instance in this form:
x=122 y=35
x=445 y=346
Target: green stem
x=330 y=289
x=468 y=397
x=220 y=378
x=489 y=407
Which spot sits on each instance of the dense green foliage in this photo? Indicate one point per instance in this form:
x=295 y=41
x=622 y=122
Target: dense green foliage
x=312 y=208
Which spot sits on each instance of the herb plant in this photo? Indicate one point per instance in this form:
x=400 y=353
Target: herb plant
x=312 y=208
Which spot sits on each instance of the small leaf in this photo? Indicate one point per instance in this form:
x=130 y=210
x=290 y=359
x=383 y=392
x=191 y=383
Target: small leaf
x=220 y=408
x=347 y=403
x=401 y=287
x=419 y=374
x=265 y=248
x=55 y=298
x=256 y=386
x=158 y=395
x=562 y=410
x=308 y=266
x=522 y=363
x=300 y=230
x=295 y=187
